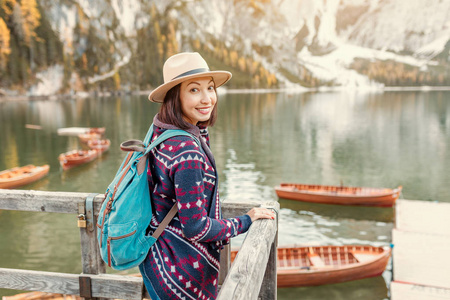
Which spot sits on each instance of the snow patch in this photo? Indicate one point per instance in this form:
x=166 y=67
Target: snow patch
x=434 y=48
x=127 y=12
x=334 y=67
x=50 y=81
x=111 y=73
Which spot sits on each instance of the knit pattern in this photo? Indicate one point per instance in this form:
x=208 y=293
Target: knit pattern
x=184 y=262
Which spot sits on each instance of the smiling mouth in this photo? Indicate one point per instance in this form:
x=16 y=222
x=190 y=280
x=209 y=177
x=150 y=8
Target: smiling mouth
x=204 y=110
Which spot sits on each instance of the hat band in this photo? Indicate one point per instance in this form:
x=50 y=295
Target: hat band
x=195 y=71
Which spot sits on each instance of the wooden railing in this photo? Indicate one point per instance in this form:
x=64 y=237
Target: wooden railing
x=253 y=274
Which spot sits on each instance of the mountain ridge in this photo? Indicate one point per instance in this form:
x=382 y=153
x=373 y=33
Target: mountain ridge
x=121 y=45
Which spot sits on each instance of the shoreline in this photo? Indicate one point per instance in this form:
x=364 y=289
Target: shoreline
x=297 y=90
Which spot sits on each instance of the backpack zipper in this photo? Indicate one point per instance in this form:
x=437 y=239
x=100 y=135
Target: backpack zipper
x=108 y=243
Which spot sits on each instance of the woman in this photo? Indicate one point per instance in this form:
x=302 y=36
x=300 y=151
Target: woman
x=184 y=262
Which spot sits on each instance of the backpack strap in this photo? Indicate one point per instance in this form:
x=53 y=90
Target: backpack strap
x=149 y=135
x=132 y=145
x=164 y=136
x=172 y=212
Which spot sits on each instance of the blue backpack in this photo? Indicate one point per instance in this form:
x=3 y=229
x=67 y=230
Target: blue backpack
x=126 y=212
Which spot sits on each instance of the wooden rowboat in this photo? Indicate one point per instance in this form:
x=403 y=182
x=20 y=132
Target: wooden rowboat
x=75 y=131
x=76 y=157
x=343 y=195
x=99 y=145
x=301 y=266
x=85 y=137
x=318 y=265
x=41 y=296
x=19 y=176
x=99 y=130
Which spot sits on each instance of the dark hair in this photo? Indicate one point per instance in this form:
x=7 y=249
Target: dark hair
x=171 y=112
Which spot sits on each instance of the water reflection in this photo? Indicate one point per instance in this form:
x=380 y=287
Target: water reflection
x=378 y=214
x=260 y=140
x=40 y=241
x=367 y=289
x=380 y=140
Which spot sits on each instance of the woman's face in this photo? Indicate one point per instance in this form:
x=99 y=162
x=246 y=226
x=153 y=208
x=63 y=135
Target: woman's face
x=198 y=97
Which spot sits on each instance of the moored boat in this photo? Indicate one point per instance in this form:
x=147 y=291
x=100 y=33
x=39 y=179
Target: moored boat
x=99 y=145
x=319 y=265
x=41 y=296
x=76 y=157
x=99 y=130
x=308 y=266
x=19 y=176
x=75 y=131
x=343 y=195
x=85 y=137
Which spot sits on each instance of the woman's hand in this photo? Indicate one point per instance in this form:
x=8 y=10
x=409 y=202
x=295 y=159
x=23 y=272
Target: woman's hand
x=261 y=213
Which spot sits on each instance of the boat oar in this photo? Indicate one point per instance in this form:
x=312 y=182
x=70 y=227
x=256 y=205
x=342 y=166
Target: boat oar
x=31 y=126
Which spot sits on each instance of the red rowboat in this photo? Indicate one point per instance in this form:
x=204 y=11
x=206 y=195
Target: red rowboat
x=19 y=176
x=308 y=266
x=85 y=137
x=98 y=130
x=318 y=265
x=343 y=195
x=76 y=157
x=99 y=145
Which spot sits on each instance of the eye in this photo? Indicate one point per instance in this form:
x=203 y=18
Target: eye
x=211 y=88
x=194 y=90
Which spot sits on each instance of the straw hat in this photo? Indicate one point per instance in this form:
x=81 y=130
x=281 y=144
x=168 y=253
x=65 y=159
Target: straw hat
x=184 y=66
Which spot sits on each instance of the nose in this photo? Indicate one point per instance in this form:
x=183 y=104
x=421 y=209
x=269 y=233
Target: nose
x=207 y=97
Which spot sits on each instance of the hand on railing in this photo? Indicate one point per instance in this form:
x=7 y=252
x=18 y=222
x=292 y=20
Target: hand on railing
x=261 y=213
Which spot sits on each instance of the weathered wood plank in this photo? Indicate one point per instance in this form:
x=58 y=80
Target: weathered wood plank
x=91 y=260
x=422 y=216
x=246 y=275
x=67 y=202
x=225 y=263
x=103 y=285
x=44 y=201
x=233 y=208
x=421 y=258
x=269 y=285
x=244 y=282
x=402 y=290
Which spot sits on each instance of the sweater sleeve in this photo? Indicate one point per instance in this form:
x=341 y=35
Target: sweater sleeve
x=192 y=184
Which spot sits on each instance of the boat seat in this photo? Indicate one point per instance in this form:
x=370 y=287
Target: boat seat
x=316 y=260
x=362 y=257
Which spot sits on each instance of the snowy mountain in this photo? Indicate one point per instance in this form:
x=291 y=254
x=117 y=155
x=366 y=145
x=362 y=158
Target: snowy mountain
x=280 y=43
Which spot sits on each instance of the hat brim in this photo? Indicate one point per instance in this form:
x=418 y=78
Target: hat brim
x=158 y=94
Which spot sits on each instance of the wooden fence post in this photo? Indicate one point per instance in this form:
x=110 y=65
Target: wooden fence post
x=255 y=264
x=225 y=263
x=269 y=285
x=91 y=260
x=249 y=269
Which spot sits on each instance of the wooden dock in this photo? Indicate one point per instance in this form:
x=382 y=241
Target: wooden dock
x=421 y=254
x=253 y=274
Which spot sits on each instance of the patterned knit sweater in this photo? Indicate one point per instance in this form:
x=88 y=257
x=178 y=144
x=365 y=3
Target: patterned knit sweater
x=184 y=262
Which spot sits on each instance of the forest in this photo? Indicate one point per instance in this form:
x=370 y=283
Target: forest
x=29 y=44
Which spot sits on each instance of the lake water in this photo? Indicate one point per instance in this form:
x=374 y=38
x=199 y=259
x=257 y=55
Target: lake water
x=360 y=139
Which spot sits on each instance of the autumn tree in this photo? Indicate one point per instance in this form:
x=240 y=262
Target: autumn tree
x=31 y=17
x=5 y=49
x=8 y=7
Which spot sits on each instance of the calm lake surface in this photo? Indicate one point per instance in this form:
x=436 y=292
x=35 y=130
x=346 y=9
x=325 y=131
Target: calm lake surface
x=374 y=140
